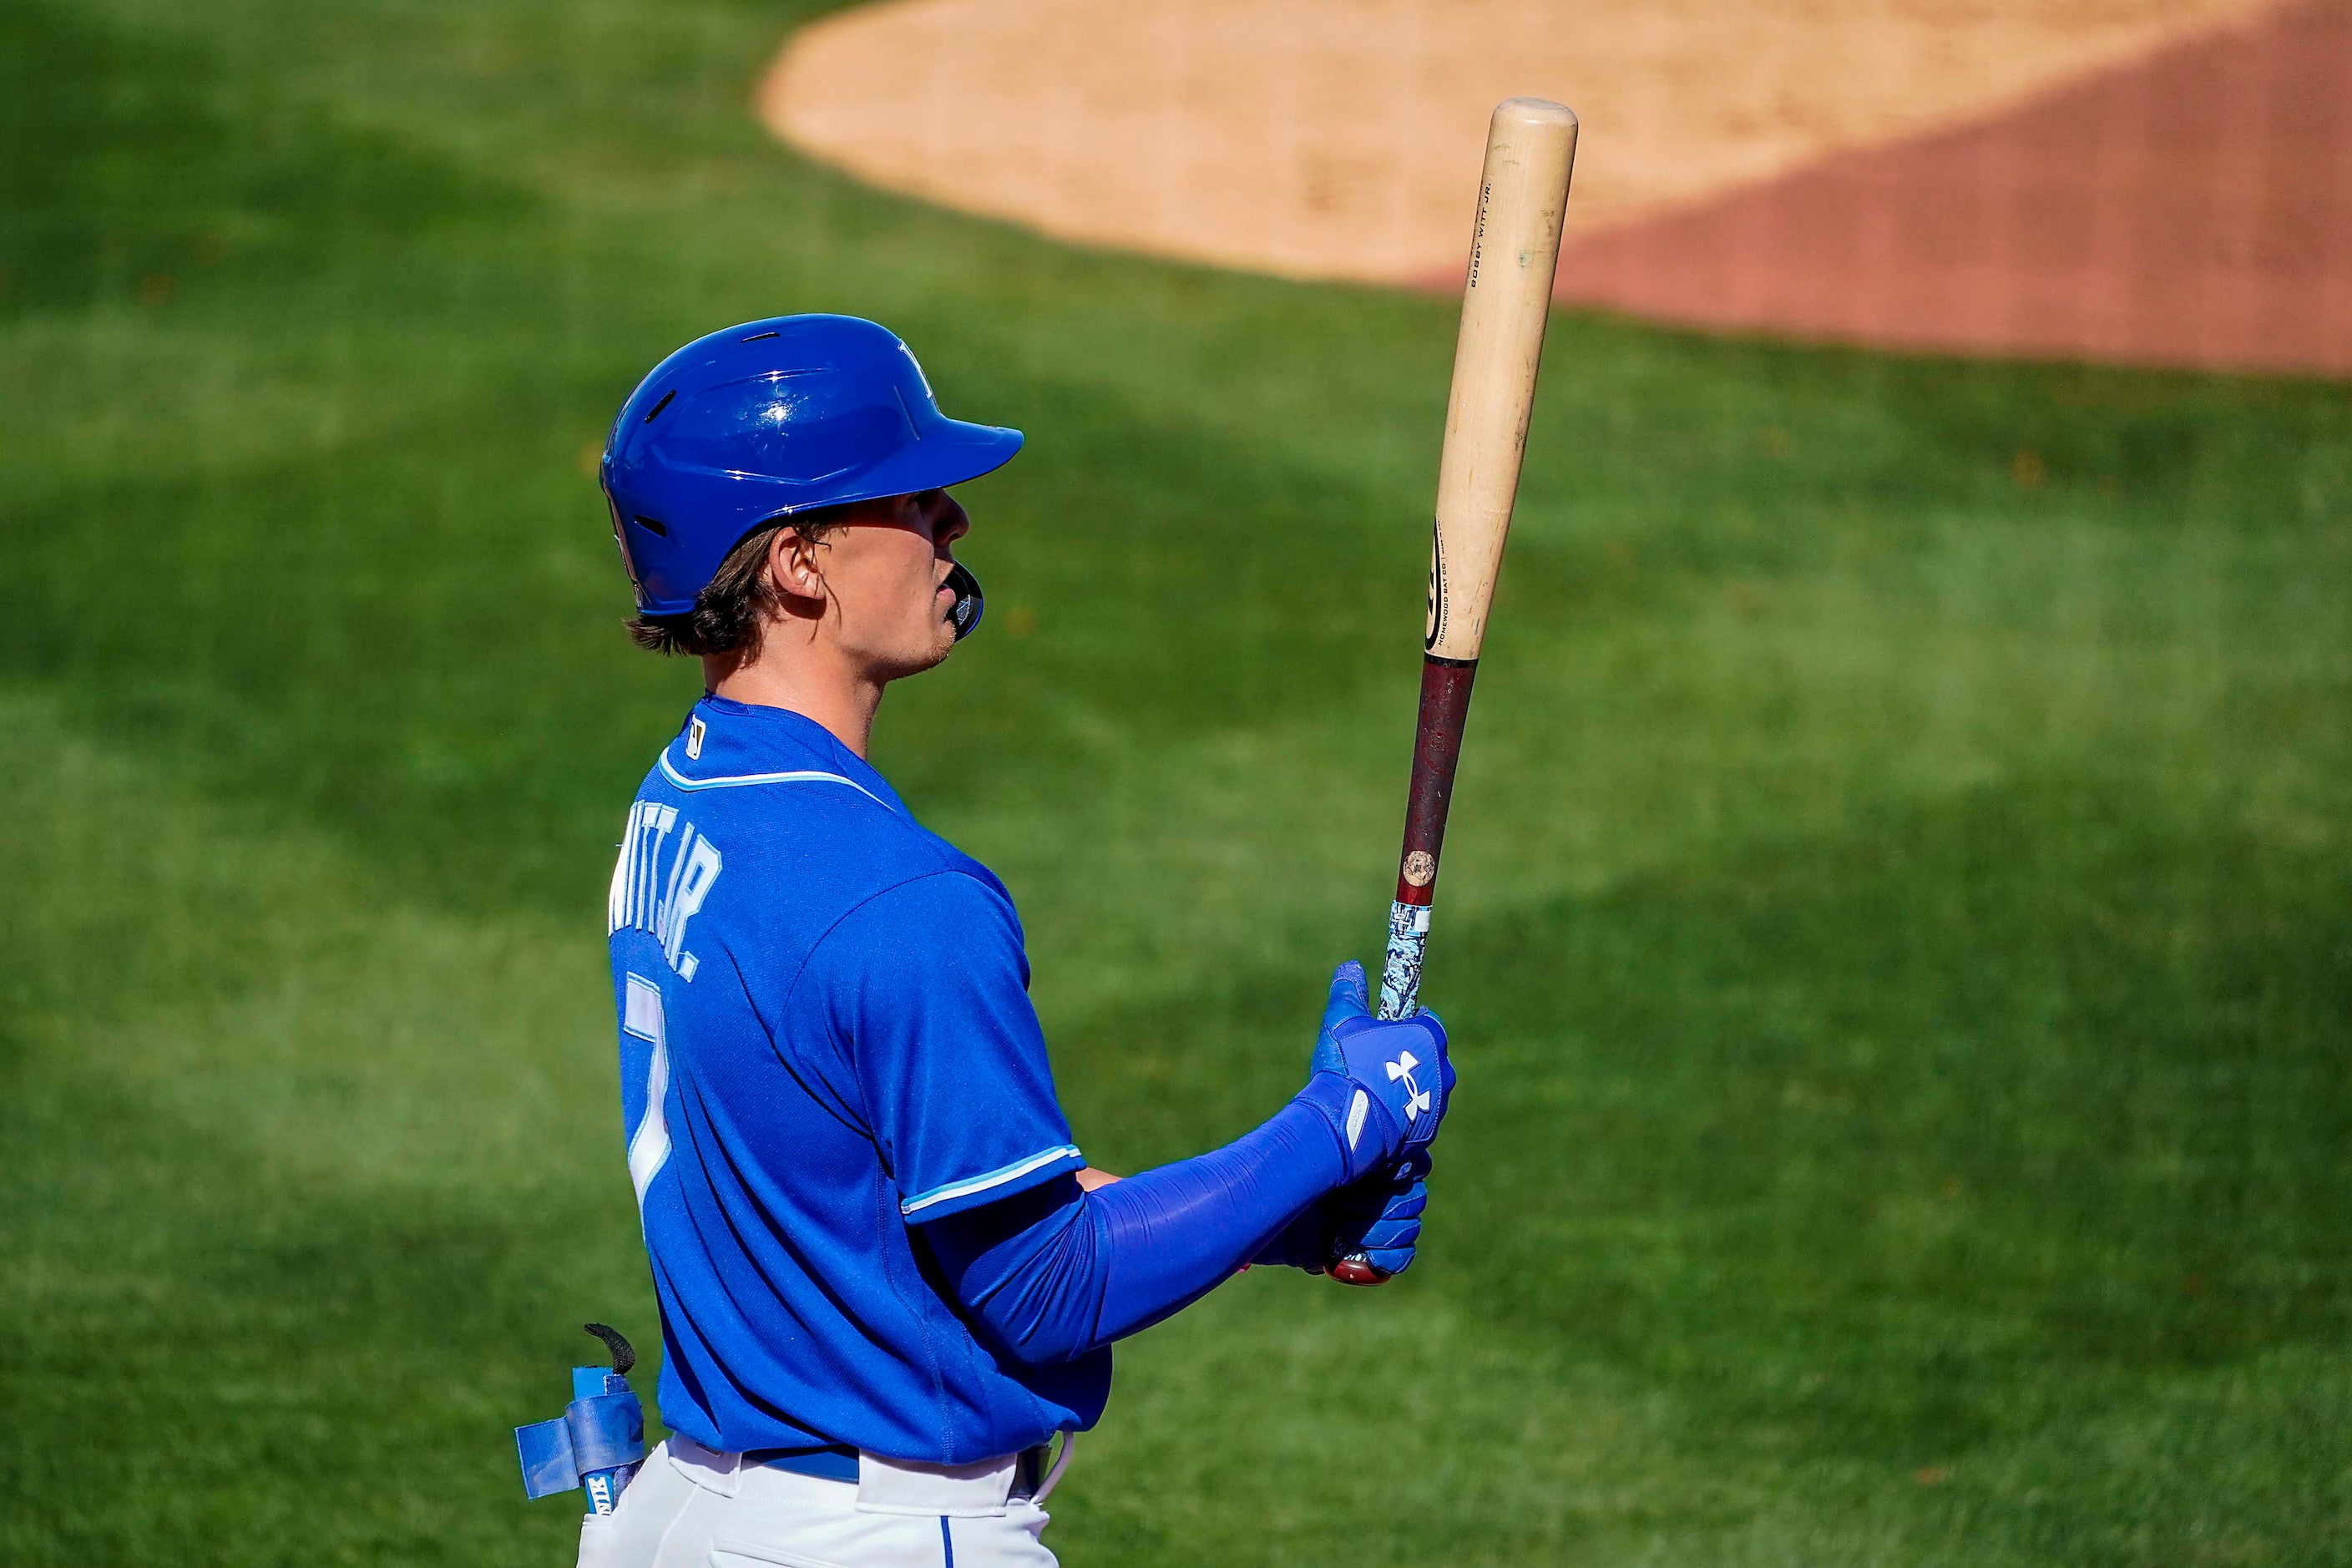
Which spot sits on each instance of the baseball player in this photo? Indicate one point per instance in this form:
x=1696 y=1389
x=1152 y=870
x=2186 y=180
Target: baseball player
x=886 y=1275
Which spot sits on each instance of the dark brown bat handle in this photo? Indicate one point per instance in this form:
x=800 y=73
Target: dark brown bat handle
x=1436 y=748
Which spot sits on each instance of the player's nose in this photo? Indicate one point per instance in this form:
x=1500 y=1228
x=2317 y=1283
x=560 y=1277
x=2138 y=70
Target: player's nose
x=949 y=522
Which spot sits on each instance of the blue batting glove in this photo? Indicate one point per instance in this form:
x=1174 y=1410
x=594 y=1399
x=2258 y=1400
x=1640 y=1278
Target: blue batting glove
x=1377 y=1219
x=1401 y=1079
x=1380 y=1221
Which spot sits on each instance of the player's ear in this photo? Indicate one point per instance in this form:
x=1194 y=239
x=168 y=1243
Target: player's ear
x=794 y=567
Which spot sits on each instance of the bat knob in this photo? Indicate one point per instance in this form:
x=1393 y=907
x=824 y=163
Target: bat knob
x=1357 y=1269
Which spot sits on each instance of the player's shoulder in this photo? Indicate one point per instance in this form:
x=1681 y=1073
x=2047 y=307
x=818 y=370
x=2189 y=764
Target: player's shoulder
x=953 y=894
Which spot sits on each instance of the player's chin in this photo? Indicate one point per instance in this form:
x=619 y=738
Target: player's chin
x=929 y=652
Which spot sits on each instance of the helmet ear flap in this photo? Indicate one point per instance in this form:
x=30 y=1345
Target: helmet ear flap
x=968 y=604
x=621 y=543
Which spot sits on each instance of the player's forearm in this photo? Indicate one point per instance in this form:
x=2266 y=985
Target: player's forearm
x=1173 y=1233
x=1054 y=1276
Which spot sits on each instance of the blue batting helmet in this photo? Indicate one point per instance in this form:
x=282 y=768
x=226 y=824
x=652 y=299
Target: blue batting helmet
x=764 y=420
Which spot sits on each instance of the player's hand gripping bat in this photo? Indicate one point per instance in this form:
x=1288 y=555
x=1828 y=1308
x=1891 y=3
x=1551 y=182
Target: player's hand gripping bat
x=1522 y=197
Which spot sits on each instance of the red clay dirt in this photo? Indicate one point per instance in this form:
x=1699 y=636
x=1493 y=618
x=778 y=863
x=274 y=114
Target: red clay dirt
x=2192 y=208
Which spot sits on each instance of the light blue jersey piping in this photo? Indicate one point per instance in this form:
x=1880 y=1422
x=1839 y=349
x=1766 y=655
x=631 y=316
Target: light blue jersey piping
x=996 y=1178
x=745 y=781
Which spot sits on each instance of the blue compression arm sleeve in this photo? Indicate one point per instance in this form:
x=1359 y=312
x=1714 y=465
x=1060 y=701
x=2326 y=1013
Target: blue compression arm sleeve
x=1056 y=1272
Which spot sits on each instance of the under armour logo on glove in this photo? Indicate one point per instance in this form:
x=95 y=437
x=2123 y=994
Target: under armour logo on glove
x=1416 y=1098
x=1398 y=1070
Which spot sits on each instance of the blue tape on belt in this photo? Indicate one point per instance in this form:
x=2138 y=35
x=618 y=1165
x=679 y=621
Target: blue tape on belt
x=602 y=1433
x=545 y=1450
x=607 y=1432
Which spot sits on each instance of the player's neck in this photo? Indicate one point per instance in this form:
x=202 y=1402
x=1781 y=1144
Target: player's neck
x=810 y=679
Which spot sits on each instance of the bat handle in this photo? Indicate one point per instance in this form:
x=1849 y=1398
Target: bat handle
x=1401 y=970
x=1437 y=744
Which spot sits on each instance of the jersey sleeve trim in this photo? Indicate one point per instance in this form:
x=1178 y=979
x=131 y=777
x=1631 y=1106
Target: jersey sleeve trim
x=956 y=1196
x=746 y=781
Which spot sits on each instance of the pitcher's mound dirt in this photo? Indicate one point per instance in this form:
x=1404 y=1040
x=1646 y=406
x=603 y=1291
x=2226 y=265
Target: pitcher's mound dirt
x=2157 y=180
x=2192 y=209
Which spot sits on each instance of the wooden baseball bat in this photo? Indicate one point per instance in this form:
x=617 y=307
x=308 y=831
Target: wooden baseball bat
x=1514 y=249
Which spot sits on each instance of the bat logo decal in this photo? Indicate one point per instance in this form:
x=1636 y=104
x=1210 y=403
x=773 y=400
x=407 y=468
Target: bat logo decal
x=1435 y=626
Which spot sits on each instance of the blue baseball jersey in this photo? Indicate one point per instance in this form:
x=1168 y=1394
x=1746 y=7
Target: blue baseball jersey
x=825 y=1040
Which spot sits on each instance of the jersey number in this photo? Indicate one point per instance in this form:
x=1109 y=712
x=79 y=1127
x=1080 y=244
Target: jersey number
x=649 y=1145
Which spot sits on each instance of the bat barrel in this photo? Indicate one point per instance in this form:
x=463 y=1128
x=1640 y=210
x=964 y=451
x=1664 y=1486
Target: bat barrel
x=1505 y=299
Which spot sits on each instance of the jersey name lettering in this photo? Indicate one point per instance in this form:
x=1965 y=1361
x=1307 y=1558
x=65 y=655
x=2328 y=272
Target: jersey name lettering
x=656 y=895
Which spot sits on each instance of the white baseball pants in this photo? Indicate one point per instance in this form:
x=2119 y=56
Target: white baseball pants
x=691 y=1507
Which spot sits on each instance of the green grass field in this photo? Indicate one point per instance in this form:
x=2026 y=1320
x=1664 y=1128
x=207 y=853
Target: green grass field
x=1898 y=930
